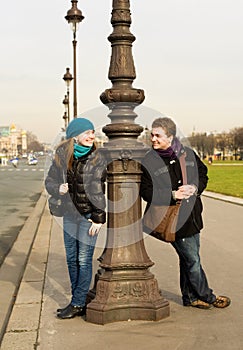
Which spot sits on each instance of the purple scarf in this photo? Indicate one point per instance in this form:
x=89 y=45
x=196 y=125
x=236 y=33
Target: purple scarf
x=172 y=151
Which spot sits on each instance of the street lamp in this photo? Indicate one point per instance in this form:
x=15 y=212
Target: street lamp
x=68 y=78
x=126 y=289
x=74 y=17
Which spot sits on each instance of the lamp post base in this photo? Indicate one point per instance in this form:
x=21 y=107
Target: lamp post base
x=125 y=295
x=125 y=288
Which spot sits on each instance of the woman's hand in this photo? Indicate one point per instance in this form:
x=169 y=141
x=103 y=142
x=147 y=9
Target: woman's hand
x=63 y=189
x=94 y=228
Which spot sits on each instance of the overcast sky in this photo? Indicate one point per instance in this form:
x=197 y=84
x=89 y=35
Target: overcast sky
x=188 y=56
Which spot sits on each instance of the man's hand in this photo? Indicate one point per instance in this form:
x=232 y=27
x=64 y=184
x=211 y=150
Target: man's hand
x=185 y=191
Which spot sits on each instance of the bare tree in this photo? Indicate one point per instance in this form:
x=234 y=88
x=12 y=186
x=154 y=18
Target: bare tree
x=237 y=141
x=222 y=143
x=198 y=142
x=33 y=144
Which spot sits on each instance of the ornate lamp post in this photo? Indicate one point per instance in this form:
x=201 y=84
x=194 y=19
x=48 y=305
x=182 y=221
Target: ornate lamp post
x=68 y=78
x=74 y=17
x=126 y=289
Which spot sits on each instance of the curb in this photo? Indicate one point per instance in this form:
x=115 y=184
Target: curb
x=15 y=263
x=223 y=197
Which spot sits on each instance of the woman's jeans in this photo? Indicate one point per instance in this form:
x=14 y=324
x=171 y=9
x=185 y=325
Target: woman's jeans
x=79 y=247
x=193 y=281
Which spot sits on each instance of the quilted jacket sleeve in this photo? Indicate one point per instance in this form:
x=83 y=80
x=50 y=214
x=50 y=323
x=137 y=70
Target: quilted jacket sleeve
x=53 y=180
x=95 y=188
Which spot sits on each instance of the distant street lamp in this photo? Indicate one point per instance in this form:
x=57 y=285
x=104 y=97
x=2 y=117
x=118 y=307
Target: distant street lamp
x=65 y=117
x=74 y=17
x=68 y=78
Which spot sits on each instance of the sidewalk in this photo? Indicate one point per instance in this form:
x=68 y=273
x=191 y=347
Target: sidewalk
x=45 y=286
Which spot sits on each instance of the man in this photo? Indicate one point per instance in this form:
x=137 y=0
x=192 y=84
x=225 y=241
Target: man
x=162 y=184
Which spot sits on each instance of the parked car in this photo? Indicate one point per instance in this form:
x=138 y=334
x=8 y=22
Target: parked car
x=32 y=161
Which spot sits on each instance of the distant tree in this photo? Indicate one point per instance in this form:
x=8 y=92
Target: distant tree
x=210 y=144
x=237 y=141
x=205 y=144
x=199 y=142
x=222 y=141
x=33 y=144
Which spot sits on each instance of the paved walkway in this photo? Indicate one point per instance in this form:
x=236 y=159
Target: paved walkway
x=39 y=254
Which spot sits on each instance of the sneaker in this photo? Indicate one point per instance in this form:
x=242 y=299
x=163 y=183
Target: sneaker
x=200 y=304
x=221 y=302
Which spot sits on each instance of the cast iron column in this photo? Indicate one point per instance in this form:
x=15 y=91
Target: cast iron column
x=126 y=289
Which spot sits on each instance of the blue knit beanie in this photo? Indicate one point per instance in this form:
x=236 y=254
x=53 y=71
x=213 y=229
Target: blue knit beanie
x=77 y=126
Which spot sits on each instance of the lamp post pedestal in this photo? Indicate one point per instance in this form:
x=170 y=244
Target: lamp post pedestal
x=126 y=289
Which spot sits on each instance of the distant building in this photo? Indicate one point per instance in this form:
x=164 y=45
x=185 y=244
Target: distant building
x=13 y=141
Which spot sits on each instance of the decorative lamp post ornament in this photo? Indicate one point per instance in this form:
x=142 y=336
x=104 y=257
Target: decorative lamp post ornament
x=65 y=118
x=68 y=78
x=65 y=102
x=126 y=289
x=74 y=17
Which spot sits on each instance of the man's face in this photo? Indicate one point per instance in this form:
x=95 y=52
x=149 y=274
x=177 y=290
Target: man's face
x=86 y=138
x=159 y=139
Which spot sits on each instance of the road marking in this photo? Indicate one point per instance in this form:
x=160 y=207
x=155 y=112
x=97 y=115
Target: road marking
x=24 y=169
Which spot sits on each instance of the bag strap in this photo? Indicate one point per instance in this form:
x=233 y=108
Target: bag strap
x=64 y=177
x=182 y=160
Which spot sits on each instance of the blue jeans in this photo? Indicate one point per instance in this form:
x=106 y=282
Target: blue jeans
x=79 y=246
x=193 y=281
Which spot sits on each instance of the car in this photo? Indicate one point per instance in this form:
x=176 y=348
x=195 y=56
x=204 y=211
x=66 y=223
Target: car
x=32 y=161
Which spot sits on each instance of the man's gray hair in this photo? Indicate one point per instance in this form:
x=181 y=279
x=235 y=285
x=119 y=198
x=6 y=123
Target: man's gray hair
x=165 y=123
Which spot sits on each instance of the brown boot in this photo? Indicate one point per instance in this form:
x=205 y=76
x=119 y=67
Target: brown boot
x=201 y=304
x=221 y=302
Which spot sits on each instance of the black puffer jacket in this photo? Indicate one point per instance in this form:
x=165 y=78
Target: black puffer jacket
x=162 y=176
x=86 y=184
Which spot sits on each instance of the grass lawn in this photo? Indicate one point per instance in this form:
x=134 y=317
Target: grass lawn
x=226 y=179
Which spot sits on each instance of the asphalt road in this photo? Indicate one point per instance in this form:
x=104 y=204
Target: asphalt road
x=20 y=188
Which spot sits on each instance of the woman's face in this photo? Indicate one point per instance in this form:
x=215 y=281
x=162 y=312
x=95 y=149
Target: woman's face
x=86 y=138
x=159 y=139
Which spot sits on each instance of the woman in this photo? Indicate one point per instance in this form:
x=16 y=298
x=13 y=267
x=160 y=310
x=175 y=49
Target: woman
x=162 y=184
x=82 y=192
